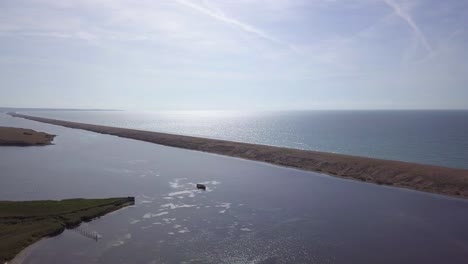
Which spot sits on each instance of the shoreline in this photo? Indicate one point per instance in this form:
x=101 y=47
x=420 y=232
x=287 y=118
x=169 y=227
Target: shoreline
x=25 y=252
x=421 y=177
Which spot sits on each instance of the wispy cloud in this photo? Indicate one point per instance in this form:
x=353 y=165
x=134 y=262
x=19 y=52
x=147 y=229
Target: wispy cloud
x=220 y=16
x=217 y=53
x=406 y=16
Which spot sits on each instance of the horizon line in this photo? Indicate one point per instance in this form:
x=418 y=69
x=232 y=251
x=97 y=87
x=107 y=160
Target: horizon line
x=229 y=110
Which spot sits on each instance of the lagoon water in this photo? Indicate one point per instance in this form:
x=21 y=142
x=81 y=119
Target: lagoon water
x=431 y=137
x=251 y=212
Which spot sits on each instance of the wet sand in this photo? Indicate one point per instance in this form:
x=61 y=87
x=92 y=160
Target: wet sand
x=414 y=176
x=11 y=136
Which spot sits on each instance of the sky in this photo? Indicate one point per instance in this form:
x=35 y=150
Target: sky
x=234 y=55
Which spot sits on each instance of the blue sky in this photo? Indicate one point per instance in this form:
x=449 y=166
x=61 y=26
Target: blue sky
x=238 y=54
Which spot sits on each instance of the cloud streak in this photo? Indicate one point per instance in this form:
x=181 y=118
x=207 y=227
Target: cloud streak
x=399 y=11
x=220 y=16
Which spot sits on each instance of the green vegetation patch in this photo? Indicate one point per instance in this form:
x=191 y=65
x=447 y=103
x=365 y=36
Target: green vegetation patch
x=23 y=223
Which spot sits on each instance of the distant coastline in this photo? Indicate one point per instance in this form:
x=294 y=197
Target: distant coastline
x=13 y=109
x=421 y=177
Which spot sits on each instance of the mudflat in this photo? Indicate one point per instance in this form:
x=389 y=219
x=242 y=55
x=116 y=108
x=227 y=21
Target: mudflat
x=421 y=177
x=25 y=222
x=12 y=136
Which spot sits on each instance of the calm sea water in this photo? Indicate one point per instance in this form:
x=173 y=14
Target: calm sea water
x=431 y=137
x=251 y=212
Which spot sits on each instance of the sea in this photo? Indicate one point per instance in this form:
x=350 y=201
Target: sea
x=251 y=212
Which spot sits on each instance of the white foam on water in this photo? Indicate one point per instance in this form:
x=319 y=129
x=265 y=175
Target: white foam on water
x=176 y=183
x=184 y=230
x=175 y=206
x=226 y=207
x=122 y=171
x=190 y=193
x=134 y=221
x=121 y=240
x=162 y=213
x=150 y=215
x=211 y=182
x=147 y=215
x=118 y=243
x=168 y=220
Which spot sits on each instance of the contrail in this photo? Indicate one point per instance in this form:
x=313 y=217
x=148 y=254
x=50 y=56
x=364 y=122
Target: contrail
x=218 y=15
x=409 y=20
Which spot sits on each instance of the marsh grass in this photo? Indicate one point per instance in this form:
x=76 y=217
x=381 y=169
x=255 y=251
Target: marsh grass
x=25 y=222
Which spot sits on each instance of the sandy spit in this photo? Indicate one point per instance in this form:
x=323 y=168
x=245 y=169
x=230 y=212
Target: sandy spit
x=421 y=177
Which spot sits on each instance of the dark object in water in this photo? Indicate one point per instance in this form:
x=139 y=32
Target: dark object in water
x=201 y=186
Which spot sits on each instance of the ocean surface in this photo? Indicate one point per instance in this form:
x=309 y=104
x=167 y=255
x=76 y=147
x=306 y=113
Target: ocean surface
x=251 y=212
x=430 y=137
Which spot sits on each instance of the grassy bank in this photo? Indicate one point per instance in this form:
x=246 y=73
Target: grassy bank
x=12 y=136
x=25 y=222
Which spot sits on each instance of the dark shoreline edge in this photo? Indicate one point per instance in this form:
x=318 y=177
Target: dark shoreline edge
x=421 y=177
x=22 y=223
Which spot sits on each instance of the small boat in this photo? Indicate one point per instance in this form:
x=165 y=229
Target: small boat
x=201 y=186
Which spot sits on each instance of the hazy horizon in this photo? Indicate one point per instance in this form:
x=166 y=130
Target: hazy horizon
x=227 y=110
x=234 y=55
x=45 y=108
